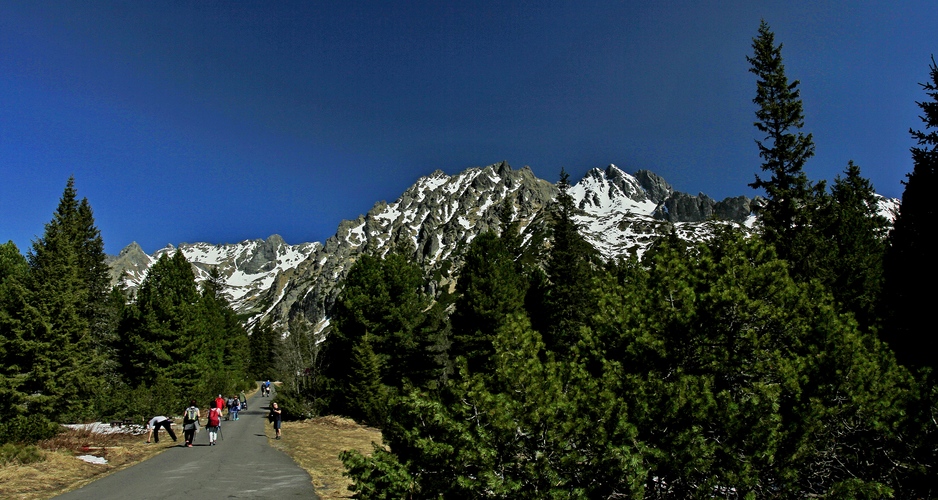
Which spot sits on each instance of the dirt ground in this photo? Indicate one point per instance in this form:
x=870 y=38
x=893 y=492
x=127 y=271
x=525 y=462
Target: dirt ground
x=315 y=445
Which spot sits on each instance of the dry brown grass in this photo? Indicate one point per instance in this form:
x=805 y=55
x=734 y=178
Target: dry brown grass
x=315 y=445
x=62 y=471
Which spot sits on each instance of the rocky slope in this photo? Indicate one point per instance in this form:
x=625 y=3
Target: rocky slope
x=435 y=219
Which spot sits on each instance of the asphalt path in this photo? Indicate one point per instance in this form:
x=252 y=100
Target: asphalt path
x=241 y=465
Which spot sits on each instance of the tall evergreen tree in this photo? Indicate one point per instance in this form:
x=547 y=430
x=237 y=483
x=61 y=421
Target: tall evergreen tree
x=790 y=196
x=851 y=222
x=383 y=301
x=263 y=347
x=490 y=290
x=165 y=341
x=569 y=300
x=13 y=271
x=910 y=262
x=68 y=298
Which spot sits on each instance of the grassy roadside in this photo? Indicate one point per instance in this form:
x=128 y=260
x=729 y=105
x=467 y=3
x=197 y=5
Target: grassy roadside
x=315 y=445
x=62 y=470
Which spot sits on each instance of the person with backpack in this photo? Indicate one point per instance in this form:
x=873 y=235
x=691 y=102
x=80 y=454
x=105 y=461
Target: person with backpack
x=190 y=422
x=235 y=407
x=244 y=401
x=214 y=423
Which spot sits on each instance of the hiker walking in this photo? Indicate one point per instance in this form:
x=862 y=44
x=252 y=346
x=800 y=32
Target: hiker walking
x=213 y=424
x=244 y=401
x=153 y=428
x=234 y=407
x=190 y=422
x=276 y=417
x=220 y=403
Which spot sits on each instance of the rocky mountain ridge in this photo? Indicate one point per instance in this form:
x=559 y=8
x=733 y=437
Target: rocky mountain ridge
x=436 y=219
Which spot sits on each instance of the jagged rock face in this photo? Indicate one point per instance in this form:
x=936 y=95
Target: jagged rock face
x=251 y=269
x=435 y=220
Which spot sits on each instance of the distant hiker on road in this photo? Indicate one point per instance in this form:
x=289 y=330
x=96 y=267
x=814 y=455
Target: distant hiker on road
x=214 y=422
x=234 y=408
x=153 y=428
x=244 y=401
x=220 y=402
x=190 y=422
x=275 y=417
x=265 y=389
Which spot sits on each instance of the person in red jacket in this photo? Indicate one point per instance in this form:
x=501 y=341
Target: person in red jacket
x=214 y=422
x=220 y=402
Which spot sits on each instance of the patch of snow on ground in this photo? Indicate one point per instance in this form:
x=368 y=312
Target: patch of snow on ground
x=103 y=428
x=91 y=459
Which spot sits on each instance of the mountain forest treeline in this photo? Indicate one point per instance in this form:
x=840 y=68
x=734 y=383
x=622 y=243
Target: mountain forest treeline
x=75 y=349
x=790 y=362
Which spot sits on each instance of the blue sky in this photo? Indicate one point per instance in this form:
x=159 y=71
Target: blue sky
x=225 y=121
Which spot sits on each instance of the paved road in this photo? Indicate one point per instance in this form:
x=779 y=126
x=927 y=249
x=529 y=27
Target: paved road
x=242 y=465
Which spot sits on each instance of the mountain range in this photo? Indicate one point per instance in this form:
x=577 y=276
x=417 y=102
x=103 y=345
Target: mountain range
x=620 y=214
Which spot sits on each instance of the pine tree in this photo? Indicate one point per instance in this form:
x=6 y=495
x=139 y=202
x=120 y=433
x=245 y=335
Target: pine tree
x=166 y=342
x=13 y=271
x=569 y=300
x=910 y=262
x=263 y=347
x=490 y=290
x=382 y=300
x=65 y=335
x=852 y=223
x=790 y=196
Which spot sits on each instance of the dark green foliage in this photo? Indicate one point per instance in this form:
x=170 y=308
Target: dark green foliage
x=568 y=301
x=175 y=335
x=382 y=301
x=490 y=289
x=62 y=314
x=852 y=225
x=791 y=199
x=740 y=378
x=163 y=340
x=911 y=262
x=379 y=477
x=263 y=345
x=27 y=429
x=13 y=271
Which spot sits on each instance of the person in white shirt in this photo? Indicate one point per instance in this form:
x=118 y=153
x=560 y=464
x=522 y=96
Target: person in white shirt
x=153 y=428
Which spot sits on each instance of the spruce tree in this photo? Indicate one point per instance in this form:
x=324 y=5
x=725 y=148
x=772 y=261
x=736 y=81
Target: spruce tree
x=569 y=300
x=68 y=297
x=790 y=196
x=911 y=268
x=851 y=222
x=166 y=342
x=13 y=270
x=490 y=290
x=383 y=301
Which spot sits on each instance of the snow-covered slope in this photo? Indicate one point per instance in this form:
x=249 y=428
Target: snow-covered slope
x=436 y=219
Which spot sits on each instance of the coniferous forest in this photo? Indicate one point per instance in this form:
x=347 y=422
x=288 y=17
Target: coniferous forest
x=798 y=361
x=73 y=349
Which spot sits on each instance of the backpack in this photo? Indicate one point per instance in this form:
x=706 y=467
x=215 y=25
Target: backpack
x=213 y=417
x=190 y=414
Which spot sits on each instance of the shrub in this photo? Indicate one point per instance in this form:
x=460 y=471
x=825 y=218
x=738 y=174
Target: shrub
x=21 y=454
x=27 y=429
